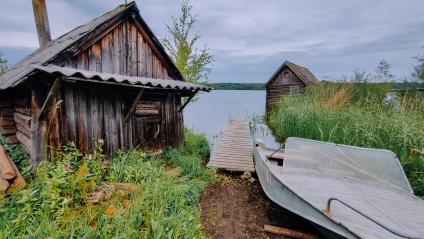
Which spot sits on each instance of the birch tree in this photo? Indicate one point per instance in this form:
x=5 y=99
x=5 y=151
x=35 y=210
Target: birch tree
x=182 y=41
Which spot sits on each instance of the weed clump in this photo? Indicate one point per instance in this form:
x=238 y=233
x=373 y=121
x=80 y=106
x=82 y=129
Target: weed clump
x=56 y=203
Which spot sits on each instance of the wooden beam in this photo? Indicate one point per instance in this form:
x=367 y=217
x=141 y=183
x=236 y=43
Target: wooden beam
x=41 y=22
x=50 y=97
x=134 y=104
x=288 y=232
x=38 y=129
x=188 y=100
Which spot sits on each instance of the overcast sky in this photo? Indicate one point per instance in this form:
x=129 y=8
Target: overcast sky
x=251 y=38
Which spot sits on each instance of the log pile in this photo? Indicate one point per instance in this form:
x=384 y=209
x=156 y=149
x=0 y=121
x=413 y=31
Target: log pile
x=10 y=178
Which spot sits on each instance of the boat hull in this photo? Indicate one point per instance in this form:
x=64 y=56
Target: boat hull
x=279 y=193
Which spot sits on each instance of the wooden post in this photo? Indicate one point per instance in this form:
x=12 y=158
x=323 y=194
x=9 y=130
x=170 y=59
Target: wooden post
x=288 y=232
x=188 y=100
x=38 y=129
x=41 y=22
x=50 y=97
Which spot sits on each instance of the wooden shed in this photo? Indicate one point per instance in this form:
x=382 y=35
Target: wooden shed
x=109 y=80
x=289 y=78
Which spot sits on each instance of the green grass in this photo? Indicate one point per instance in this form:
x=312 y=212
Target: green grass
x=54 y=205
x=353 y=114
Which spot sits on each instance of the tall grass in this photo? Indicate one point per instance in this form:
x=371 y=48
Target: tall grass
x=55 y=205
x=354 y=114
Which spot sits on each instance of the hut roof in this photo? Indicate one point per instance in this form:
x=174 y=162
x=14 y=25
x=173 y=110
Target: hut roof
x=93 y=76
x=304 y=74
x=68 y=44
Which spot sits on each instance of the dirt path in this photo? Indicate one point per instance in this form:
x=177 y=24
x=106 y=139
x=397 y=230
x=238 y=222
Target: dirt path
x=235 y=208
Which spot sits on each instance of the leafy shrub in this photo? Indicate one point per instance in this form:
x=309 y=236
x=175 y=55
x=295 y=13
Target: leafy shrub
x=55 y=204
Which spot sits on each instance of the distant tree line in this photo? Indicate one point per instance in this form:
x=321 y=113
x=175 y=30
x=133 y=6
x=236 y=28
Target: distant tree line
x=237 y=86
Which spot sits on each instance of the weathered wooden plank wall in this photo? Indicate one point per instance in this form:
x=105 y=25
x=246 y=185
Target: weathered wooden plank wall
x=125 y=50
x=87 y=112
x=281 y=86
x=111 y=54
x=93 y=113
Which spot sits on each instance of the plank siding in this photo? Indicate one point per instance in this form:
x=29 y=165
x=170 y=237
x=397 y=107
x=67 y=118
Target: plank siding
x=110 y=55
x=86 y=112
x=280 y=86
x=94 y=113
x=141 y=55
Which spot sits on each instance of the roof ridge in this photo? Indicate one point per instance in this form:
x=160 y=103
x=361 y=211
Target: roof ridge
x=305 y=75
x=68 y=41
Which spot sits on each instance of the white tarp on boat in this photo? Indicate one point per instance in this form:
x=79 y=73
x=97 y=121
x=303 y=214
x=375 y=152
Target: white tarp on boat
x=367 y=180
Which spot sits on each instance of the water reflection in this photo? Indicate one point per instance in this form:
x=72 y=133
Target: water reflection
x=261 y=132
x=210 y=114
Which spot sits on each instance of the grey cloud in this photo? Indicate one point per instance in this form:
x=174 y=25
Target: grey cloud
x=251 y=38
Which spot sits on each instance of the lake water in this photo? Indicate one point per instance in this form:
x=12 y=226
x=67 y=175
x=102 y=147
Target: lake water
x=210 y=114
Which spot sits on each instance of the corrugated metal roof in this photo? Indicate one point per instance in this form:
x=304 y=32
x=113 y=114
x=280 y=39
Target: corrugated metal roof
x=304 y=74
x=123 y=79
x=17 y=74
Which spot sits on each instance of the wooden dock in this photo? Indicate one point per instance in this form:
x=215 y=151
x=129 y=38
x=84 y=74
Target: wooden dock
x=234 y=150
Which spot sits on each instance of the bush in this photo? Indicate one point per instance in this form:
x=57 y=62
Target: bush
x=55 y=204
x=353 y=114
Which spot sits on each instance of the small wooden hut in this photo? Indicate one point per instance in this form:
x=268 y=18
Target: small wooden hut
x=289 y=78
x=109 y=80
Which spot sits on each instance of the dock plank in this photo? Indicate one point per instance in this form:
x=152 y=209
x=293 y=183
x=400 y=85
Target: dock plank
x=235 y=148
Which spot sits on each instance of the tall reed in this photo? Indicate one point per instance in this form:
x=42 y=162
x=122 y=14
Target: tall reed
x=354 y=114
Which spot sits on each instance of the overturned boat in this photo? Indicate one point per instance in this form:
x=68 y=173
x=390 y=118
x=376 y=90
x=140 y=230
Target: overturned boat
x=348 y=192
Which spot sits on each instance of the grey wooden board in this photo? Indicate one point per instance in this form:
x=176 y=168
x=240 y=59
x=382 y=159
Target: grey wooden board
x=235 y=148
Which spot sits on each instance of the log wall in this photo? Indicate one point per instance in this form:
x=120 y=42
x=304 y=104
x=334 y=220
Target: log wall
x=280 y=86
x=7 y=124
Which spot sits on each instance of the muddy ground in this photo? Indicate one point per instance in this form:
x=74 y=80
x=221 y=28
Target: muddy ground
x=236 y=208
